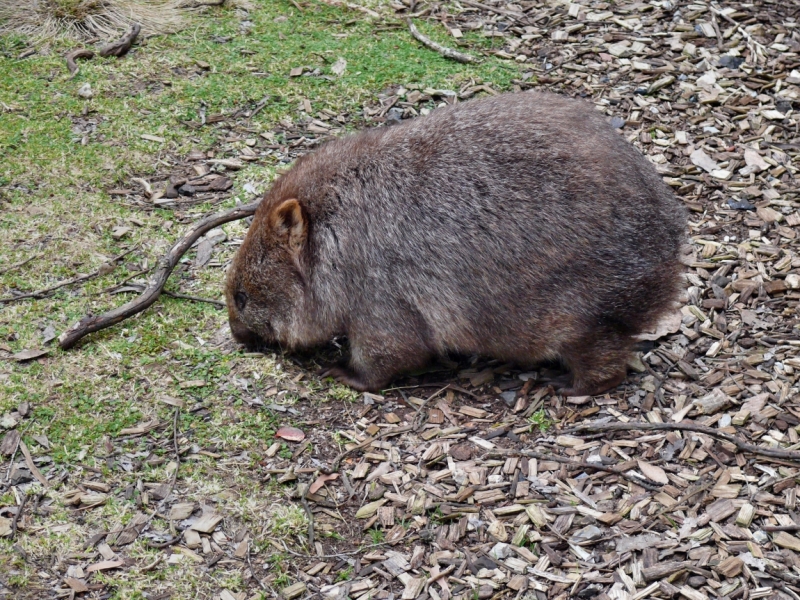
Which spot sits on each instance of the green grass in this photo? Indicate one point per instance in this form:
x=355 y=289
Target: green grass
x=541 y=421
x=55 y=205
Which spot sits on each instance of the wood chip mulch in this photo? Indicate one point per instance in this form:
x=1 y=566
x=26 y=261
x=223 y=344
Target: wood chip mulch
x=478 y=481
x=683 y=483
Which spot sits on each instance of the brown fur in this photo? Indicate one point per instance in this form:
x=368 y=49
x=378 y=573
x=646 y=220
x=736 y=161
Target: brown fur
x=520 y=227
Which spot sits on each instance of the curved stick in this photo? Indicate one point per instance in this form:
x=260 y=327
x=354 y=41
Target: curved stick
x=73 y=56
x=443 y=50
x=90 y=324
x=121 y=46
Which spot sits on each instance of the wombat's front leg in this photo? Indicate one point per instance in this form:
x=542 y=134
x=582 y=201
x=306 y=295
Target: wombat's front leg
x=345 y=375
x=598 y=364
x=375 y=359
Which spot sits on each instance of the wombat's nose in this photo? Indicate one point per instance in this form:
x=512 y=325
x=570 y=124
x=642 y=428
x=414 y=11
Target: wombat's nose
x=243 y=335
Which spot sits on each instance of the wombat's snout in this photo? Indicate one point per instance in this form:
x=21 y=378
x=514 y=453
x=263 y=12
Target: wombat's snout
x=243 y=334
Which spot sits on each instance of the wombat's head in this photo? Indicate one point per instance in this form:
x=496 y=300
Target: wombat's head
x=264 y=289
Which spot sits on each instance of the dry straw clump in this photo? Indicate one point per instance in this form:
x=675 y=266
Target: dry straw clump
x=83 y=19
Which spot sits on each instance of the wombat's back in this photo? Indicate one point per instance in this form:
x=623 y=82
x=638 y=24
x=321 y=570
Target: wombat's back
x=521 y=226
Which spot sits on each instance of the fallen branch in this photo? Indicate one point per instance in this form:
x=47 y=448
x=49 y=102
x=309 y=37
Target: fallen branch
x=121 y=46
x=715 y=433
x=73 y=56
x=90 y=324
x=443 y=50
x=80 y=279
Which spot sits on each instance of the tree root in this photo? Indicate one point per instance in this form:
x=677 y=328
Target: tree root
x=121 y=46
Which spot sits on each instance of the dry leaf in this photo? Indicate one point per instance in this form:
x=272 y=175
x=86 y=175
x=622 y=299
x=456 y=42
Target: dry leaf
x=321 y=480
x=652 y=472
x=26 y=355
x=291 y=434
x=339 y=66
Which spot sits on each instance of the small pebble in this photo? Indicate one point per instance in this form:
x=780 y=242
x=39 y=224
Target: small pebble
x=730 y=62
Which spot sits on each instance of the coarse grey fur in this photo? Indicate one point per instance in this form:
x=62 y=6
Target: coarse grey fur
x=521 y=227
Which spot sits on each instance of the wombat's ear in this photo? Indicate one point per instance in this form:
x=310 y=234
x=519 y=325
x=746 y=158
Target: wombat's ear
x=290 y=224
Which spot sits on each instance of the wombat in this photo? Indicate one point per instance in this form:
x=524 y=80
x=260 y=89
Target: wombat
x=520 y=227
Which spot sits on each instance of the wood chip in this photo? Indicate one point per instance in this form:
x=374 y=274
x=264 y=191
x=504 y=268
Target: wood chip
x=207 y=523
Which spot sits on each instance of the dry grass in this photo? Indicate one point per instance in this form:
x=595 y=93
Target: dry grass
x=83 y=19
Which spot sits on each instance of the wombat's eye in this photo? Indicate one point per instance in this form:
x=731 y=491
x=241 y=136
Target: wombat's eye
x=241 y=300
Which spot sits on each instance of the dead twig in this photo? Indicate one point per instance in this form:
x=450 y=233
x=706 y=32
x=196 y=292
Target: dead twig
x=31 y=466
x=123 y=282
x=770 y=528
x=17 y=515
x=757 y=48
x=90 y=324
x=418 y=416
x=259 y=107
x=261 y=584
x=43 y=292
x=121 y=46
x=439 y=576
x=13 y=456
x=80 y=279
x=174 y=477
x=443 y=50
x=720 y=435
x=169 y=542
x=72 y=56
x=337 y=461
x=351 y=6
x=354 y=552
x=152 y=565
x=720 y=43
x=216 y=303
x=645 y=483
x=19 y=264
x=310 y=515
x=203 y=4
x=683 y=503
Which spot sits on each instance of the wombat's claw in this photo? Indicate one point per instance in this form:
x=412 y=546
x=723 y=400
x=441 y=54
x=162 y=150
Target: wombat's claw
x=343 y=375
x=593 y=389
x=559 y=382
x=568 y=392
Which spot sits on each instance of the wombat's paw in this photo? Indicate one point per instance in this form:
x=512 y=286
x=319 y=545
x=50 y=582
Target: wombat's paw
x=347 y=377
x=592 y=388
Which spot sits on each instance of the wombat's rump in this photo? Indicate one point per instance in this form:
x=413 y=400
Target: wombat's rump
x=520 y=227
